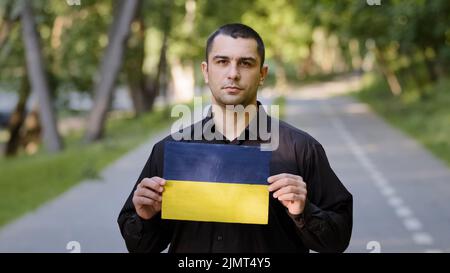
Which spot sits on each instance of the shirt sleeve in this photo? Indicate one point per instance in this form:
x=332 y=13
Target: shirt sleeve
x=326 y=222
x=141 y=235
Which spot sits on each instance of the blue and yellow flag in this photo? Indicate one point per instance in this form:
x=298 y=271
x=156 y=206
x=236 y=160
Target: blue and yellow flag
x=215 y=183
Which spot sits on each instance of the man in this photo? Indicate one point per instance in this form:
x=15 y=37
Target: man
x=309 y=208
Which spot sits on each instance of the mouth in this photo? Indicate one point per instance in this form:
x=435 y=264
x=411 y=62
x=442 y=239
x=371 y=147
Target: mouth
x=232 y=89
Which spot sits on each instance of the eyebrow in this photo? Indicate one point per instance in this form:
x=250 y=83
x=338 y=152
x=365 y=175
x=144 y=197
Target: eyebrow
x=251 y=59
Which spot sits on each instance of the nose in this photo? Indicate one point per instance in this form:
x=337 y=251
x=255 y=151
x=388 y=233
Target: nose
x=233 y=72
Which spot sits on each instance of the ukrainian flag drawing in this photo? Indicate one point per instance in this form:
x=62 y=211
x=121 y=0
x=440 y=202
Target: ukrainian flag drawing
x=215 y=183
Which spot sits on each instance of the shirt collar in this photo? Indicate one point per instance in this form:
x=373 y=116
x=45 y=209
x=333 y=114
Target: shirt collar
x=252 y=131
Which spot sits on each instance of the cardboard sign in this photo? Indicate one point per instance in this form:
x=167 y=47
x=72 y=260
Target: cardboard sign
x=215 y=183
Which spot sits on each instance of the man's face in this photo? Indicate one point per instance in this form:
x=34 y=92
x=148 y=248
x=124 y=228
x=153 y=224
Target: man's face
x=233 y=71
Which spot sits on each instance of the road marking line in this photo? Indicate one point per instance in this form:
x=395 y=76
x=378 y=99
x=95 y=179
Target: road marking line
x=395 y=201
x=422 y=238
x=388 y=191
x=403 y=211
x=411 y=224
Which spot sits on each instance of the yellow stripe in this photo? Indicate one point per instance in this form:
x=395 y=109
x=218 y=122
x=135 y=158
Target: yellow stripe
x=215 y=202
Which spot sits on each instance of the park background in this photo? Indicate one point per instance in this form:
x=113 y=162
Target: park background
x=86 y=88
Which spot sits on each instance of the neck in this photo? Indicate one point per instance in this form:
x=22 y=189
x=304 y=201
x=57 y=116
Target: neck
x=232 y=120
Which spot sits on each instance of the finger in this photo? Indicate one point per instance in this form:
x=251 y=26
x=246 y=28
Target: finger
x=144 y=201
x=292 y=197
x=159 y=180
x=276 y=177
x=289 y=189
x=283 y=182
x=145 y=192
x=155 y=179
x=296 y=187
x=151 y=183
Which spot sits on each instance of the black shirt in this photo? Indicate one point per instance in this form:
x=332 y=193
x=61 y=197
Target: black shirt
x=324 y=226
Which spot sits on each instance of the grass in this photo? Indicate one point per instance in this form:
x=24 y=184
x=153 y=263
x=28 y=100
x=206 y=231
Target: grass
x=424 y=117
x=28 y=181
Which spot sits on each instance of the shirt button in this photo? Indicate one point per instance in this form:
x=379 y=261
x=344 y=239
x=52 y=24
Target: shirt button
x=219 y=238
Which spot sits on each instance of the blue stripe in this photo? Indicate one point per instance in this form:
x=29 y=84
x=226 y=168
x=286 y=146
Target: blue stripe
x=216 y=163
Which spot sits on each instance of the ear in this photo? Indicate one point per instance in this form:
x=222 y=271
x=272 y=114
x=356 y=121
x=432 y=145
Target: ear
x=204 y=67
x=263 y=74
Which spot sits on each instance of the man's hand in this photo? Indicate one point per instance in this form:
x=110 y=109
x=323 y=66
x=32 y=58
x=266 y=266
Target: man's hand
x=290 y=190
x=147 y=197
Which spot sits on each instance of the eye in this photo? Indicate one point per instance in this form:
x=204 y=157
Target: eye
x=222 y=61
x=246 y=64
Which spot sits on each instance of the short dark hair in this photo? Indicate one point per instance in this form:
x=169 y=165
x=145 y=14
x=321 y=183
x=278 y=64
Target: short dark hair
x=237 y=31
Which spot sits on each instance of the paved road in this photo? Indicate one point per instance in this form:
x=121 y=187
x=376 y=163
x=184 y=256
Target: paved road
x=400 y=191
x=87 y=213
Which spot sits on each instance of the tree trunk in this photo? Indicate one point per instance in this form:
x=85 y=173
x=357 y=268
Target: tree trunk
x=306 y=67
x=6 y=23
x=136 y=95
x=392 y=80
x=31 y=132
x=110 y=67
x=162 y=79
x=162 y=75
x=133 y=66
x=143 y=88
x=431 y=69
x=17 y=119
x=38 y=79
